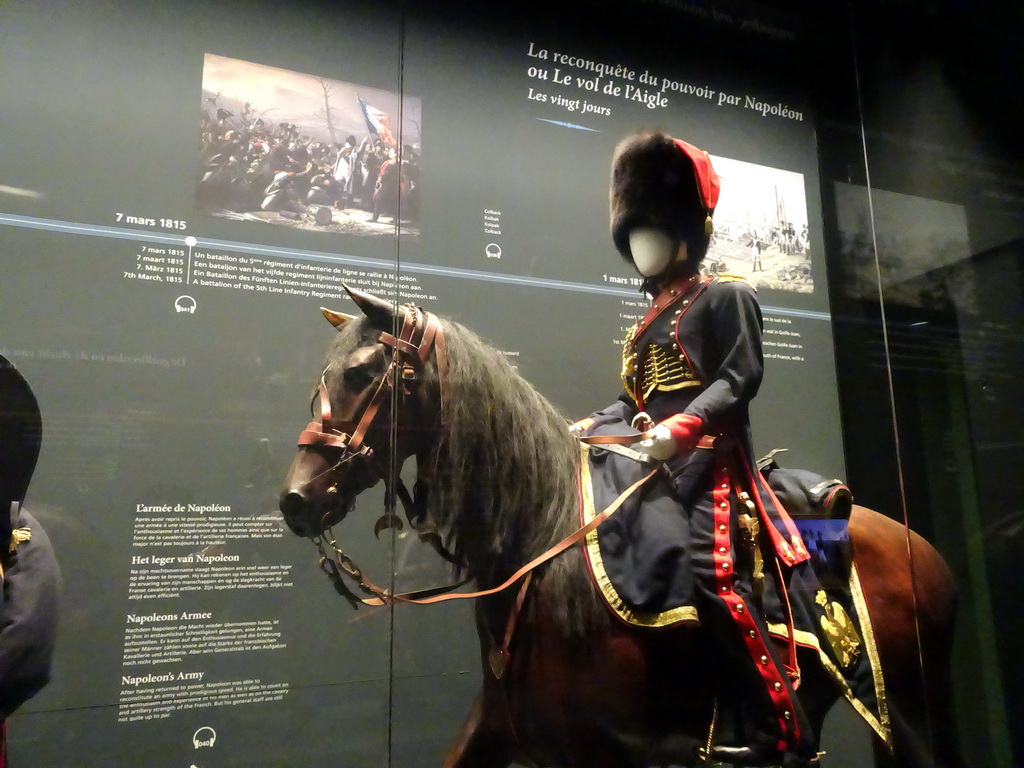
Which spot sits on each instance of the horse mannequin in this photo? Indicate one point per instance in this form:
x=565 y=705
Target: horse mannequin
x=497 y=476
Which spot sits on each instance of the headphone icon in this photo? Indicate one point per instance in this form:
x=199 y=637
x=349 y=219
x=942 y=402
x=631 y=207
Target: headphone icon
x=204 y=737
x=185 y=304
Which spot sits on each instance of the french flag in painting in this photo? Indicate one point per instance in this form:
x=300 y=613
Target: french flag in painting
x=378 y=123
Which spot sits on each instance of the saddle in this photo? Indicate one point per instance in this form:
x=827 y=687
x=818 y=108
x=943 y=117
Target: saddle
x=805 y=494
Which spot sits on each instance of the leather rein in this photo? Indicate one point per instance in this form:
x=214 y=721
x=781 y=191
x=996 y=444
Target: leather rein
x=421 y=333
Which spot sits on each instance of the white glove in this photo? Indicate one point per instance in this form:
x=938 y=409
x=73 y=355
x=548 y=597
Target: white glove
x=660 y=445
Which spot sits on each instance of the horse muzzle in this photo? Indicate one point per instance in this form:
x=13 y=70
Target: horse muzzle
x=309 y=516
x=312 y=498
x=321 y=487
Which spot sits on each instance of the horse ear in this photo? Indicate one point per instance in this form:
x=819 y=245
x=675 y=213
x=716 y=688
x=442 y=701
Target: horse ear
x=337 y=319
x=380 y=311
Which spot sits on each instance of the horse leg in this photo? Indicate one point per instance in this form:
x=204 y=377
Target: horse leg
x=480 y=743
x=913 y=745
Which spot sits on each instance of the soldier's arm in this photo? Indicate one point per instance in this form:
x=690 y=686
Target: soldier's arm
x=736 y=327
x=28 y=618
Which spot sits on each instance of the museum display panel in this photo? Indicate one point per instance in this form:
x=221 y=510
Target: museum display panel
x=185 y=185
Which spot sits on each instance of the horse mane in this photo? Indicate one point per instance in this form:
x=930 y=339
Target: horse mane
x=503 y=474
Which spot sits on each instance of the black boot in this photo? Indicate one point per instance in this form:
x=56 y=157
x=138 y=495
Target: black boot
x=762 y=751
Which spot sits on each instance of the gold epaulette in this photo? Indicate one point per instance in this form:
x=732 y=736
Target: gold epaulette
x=19 y=535
x=728 y=277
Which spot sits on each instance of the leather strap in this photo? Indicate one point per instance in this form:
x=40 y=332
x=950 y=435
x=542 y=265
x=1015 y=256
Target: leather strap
x=669 y=295
x=421 y=597
x=636 y=437
x=706 y=441
x=409 y=346
x=500 y=655
x=420 y=334
x=683 y=287
x=425 y=529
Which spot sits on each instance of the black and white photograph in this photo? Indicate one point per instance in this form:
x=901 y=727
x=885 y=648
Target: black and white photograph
x=761 y=227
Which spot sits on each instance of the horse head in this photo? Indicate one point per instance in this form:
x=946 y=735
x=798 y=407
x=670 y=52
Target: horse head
x=377 y=403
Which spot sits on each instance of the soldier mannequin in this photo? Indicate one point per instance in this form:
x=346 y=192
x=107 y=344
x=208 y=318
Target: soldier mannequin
x=691 y=367
x=30 y=579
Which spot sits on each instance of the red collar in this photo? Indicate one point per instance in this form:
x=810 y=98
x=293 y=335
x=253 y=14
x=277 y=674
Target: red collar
x=669 y=295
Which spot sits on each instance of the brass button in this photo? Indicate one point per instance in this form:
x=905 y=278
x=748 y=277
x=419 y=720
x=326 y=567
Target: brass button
x=788 y=715
x=739 y=607
x=724 y=505
x=722 y=550
x=778 y=686
x=722 y=528
x=725 y=566
x=764 y=659
x=753 y=633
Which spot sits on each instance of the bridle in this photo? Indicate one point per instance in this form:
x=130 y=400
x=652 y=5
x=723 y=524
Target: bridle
x=420 y=335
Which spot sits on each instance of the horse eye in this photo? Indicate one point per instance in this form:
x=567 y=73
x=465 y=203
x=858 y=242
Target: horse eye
x=358 y=377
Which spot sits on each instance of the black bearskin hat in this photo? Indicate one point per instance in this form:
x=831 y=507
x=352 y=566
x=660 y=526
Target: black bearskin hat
x=658 y=181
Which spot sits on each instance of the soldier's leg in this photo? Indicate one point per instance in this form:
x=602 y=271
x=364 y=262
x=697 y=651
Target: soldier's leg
x=750 y=658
